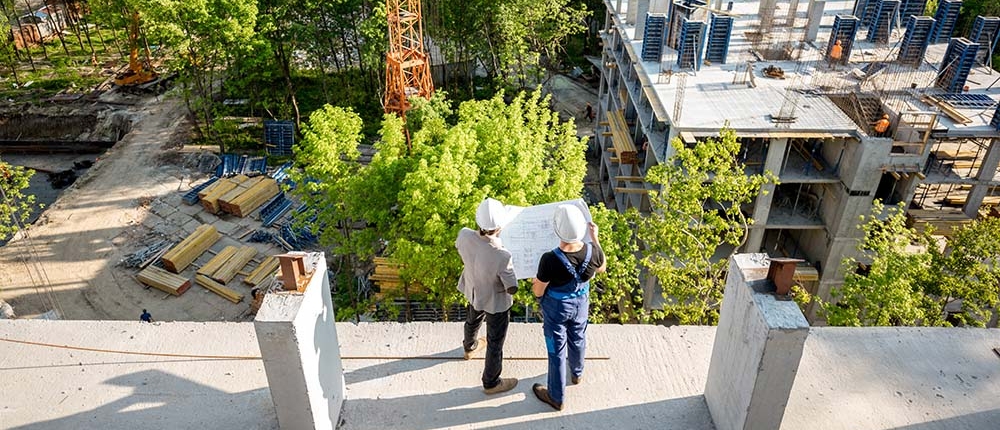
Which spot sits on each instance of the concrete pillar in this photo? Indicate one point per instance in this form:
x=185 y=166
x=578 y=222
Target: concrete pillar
x=642 y=9
x=630 y=14
x=298 y=341
x=793 y=10
x=659 y=6
x=815 y=15
x=987 y=170
x=775 y=156
x=757 y=349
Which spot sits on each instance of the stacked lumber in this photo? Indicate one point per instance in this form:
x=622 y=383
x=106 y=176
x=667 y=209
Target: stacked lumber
x=944 y=223
x=218 y=288
x=182 y=255
x=232 y=266
x=264 y=269
x=243 y=187
x=256 y=194
x=386 y=276
x=163 y=280
x=210 y=196
x=216 y=262
x=227 y=263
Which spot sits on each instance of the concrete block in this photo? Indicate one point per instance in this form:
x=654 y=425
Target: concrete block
x=630 y=13
x=298 y=341
x=642 y=8
x=178 y=218
x=152 y=220
x=190 y=209
x=205 y=217
x=225 y=227
x=190 y=226
x=757 y=349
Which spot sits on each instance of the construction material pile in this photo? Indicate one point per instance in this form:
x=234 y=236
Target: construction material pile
x=182 y=255
x=163 y=280
x=249 y=195
x=265 y=269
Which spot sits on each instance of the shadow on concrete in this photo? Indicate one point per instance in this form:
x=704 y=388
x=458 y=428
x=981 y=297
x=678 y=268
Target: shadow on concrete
x=164 y=400
x=396 y=367
x=977 y=420
x=457 y=408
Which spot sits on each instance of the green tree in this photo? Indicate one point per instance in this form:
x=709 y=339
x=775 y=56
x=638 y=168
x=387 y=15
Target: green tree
x=968 y=272
x=888 y=289
x=408 y=203
x=695 y=215
x=617 y=296
x=16 y=205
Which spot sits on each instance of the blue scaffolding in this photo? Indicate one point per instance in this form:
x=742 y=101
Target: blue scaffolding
x=985 y=32
x=908 y=8
x=718 y=39
x=945 y=20
x=654 y=36
x=996 y=119
x=689 y=51
x=916 y=39
x=279 y=137
x=959 y=60
x=865 y=10
x=883 y=21
x=845 y=29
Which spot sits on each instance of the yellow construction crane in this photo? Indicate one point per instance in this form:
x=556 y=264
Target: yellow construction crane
x=138 y=72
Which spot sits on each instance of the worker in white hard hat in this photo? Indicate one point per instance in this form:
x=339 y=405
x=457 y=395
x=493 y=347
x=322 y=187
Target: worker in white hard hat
x=488 y=282
x=562 y=283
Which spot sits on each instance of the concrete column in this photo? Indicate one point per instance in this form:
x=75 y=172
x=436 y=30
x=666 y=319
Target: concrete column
x=642 y=9
x=630 y=14
x=987 y=170
x=793 y=10
x=815 y=15
x=757 y=349
x=775 y=156
x=298 y=341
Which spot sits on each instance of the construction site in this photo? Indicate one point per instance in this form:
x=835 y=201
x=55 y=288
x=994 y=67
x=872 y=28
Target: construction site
x=845 y=101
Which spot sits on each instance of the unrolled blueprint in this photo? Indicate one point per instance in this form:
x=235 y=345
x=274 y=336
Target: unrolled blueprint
x=529 y=234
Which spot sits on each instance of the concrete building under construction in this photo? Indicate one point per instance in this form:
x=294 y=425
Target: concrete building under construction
x=804 y=85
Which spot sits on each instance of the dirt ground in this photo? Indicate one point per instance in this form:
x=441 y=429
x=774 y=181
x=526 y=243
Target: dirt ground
x=128 y=199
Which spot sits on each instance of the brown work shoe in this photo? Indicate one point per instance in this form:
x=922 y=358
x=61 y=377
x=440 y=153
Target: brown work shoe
x=480 y=344
x=543 y=394
x=575 y=379
x=506 y=384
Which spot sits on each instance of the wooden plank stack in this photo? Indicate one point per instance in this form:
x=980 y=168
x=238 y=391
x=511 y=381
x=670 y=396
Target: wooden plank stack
x=163 y=280
x=227 y=263
x=249 y=196
x=945 y=223
x=210 y=196
x=182 y=255
x=218 y=288
x=386 y=276
x=264 y=269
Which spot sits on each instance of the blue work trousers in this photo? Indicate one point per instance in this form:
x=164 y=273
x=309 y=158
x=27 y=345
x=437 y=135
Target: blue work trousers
x=564 y=323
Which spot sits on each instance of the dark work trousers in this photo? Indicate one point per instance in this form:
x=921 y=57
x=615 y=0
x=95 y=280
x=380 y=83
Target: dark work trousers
x=496 y=333
x=564 y=323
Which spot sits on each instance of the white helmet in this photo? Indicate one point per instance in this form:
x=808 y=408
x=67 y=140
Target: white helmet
x=491 y=215
x=569 y=223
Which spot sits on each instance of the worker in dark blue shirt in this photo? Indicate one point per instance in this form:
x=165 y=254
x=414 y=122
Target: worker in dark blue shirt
x=146 y=317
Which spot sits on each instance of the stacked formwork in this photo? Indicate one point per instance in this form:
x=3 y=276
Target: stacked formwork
x=945 y=20
x=865 y=10
x=918 y=36
x=985 y=32
x=718 y=39
x=995 y=123
x=689 y=49
x=845 y=29
x=908 y=8
x=653 y=37
x=883 y=21
x=958 y=62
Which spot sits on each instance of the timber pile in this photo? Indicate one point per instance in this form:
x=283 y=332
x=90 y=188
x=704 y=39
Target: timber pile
x=163 y=280
x=253 y=194
x=264 y=269
x=944 y=223
x=227 y=263
x=210 y=196
x=218 y=288
x=386 y=276
x=182 y=255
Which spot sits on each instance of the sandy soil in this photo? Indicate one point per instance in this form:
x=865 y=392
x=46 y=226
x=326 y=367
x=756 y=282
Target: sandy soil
x=130 y=198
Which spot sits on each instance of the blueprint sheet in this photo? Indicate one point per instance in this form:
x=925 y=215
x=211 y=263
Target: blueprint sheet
x=529 y=234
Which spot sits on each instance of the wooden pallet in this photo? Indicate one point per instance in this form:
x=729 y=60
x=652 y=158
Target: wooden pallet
x=218 y=288
x=266 y=268
x=163 y=280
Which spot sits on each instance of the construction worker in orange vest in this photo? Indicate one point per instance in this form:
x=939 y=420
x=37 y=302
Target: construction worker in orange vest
x=882 y=126
x=836 y=53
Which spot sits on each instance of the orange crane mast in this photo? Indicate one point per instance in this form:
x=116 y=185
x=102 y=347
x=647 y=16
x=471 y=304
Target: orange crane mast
x=407 y=69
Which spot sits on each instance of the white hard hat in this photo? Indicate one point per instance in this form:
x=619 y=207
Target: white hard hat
x=491 y=215
x=569 y=223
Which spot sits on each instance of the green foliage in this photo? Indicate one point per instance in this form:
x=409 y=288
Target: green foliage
x=617 y=296
x=969 y=272
x=407 y=203
x=890 y=290
x=697 y=213
x=16 y=205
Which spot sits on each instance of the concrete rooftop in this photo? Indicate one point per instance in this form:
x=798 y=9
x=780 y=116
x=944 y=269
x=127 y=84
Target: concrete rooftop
x=640 y=377
x=712 y=98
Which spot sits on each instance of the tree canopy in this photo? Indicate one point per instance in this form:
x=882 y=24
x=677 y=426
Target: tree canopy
x=409 y=203
x=15 y=205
